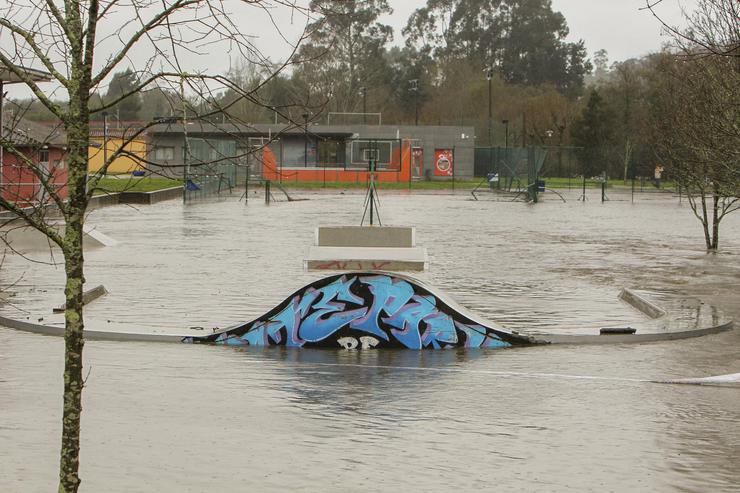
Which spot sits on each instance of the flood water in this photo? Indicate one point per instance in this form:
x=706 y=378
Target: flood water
x=180 y=418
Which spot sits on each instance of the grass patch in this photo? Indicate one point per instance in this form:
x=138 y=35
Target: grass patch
x=414 y=185
x=110 y=184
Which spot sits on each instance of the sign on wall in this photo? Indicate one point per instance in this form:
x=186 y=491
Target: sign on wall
x=443 y=162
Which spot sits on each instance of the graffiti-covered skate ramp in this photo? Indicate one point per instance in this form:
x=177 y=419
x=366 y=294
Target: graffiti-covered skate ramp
x=364 y=310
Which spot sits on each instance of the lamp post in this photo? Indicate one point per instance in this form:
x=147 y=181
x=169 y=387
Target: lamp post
x=489 y=78
x=305 y=139
x=506 y=126
x=105 y=137
x=415 y=89
x=363 y=91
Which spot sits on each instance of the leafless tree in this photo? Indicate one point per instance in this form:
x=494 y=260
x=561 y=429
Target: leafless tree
x=713 y=28
x=80 y=44
x=696 y=110
x=695 y=115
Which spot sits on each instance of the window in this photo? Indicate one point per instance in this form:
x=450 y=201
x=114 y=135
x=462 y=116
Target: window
x=44 y=156
x=164 y=153
x=331 y=153
x=58 y=164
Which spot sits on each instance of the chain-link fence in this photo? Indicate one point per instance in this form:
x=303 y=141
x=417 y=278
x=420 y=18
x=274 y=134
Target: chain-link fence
x=509 y=169
x=210 y=167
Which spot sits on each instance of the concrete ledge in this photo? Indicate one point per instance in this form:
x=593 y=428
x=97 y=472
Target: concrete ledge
x=149 y=198
x=24 y=238
x=366 y=236
x=90 y=335
x=87 y=297
x=104 y=200
x=109 y=199
x=650 y=309
x=631 y=338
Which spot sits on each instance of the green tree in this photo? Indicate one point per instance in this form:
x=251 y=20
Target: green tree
x=593 y=133
x=524 y=39
x=626 y=88
x=124 y=84
x=407 y=65
x=345 y=51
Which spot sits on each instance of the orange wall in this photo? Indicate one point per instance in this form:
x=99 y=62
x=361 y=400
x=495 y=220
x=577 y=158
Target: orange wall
x=399 y=170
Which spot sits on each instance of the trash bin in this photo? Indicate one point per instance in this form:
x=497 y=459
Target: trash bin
x=428 y=175
x=492 y=179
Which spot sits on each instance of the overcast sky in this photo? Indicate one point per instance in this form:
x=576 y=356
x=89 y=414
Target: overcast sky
x=619 y=26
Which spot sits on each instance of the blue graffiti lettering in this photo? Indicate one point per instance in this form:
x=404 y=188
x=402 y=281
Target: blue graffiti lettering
x=389 y=295
x=321 y=324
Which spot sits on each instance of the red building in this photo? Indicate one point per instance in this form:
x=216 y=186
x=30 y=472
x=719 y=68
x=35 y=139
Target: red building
x=29 y=154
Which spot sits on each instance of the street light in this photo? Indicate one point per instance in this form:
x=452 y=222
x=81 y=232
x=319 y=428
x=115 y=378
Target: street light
x=415 y=89
x=363 y=91
x=489 y=78
x=506 y=125
x=105 y=137
x=305 y=139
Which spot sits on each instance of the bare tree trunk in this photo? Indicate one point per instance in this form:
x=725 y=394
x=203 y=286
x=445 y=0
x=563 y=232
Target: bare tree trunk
x=715 y=222
x=69 y=479
x=627 y=157
x=705 y=221
x=78 y=136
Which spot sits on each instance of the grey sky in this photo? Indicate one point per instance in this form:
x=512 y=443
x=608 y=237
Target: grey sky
x=619 y=26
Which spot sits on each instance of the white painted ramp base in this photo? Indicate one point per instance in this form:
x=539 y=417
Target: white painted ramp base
x=366 y=258
x=390 y=248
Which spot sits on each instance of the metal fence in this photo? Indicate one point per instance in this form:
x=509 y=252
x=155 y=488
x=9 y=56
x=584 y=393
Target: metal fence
x=510 y=169
x=210 y=167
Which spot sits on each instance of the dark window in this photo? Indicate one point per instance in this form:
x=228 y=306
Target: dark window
x=331 y=154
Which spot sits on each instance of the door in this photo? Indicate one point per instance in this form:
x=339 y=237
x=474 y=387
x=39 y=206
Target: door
x=417 y=162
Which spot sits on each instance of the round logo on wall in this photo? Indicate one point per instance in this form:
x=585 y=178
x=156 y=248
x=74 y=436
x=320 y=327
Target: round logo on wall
x=444 y=164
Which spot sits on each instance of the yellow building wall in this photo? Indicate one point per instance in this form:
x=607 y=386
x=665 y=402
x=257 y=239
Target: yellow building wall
x=122 y=164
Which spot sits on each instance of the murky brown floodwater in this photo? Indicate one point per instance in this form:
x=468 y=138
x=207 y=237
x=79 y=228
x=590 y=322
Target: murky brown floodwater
x=175 y=418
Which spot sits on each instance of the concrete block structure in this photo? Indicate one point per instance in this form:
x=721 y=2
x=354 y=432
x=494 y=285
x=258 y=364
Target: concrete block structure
x=366 y=248
x=315 y=152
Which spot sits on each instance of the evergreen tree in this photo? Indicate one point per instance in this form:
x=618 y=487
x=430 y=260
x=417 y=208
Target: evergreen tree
x=121 y=84
x=524 y=39
x=593 y=132
x=345 y=51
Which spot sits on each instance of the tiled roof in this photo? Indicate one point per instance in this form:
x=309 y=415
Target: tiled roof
x=24 y=132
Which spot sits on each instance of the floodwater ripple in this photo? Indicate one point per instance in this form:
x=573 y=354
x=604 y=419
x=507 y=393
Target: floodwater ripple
x=178 y=418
